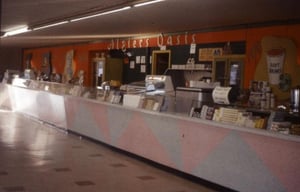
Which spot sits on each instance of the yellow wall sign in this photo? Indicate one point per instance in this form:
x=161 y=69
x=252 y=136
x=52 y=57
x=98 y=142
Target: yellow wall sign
x=207 y=54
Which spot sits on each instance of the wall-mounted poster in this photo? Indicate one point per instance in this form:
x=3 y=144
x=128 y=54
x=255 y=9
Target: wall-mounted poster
x=278 y=65
x=138 y=59
x=69 y=66
x=46 y=68
x=132 y=64
x=143 y=59
x=275 y=61
x=143 y=68
x=28 y=61
x=193 y=48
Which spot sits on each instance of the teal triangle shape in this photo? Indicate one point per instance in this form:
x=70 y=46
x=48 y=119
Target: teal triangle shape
x=118 y=122
x=84 y=123
x=167 y=132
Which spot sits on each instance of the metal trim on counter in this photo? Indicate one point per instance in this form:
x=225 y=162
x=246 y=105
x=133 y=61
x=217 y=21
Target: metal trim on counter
x=209 y=90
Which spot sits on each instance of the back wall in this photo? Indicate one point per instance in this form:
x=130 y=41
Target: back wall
x=251 y=36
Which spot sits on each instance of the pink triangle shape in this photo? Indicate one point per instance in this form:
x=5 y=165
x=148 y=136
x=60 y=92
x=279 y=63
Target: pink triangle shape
x=100 y=116
x=138 y=138
x=71 y=109
x=198 y=141
x=282 y=158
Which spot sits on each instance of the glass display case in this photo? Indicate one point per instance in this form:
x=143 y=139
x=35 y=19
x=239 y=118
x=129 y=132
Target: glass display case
x=56 y=88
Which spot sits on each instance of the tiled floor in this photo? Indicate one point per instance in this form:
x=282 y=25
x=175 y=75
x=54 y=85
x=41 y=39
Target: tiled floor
x=37 y=158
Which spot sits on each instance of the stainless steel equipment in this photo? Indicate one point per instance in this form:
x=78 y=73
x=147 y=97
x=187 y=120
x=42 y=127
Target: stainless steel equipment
x=155 y=93
x=295 y=99
x=159 y=84
x=161 y=87
x=187 y=97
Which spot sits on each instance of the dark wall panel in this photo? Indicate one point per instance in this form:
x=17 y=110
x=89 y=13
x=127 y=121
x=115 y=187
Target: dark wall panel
x=10 y=58
x=179 y=55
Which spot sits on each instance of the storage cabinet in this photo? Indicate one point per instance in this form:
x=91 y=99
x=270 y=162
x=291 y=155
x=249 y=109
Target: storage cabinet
x=229 y=70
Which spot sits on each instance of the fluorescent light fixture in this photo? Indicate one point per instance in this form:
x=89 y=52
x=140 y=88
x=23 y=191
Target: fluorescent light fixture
x=26 y=28
x=51 y=25
x=17 y=31
x=100 y=14
x=147 y=3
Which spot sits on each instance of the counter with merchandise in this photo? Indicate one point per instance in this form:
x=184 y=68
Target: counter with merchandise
x=240 y=158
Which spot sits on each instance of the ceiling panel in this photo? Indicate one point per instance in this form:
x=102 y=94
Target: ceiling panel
x=164 y=17
x=31 y=12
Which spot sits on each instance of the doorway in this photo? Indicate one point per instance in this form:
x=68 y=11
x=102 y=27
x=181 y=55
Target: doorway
x=161 y=61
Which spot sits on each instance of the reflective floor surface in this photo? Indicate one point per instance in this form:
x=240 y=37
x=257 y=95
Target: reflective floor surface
x=38 y=158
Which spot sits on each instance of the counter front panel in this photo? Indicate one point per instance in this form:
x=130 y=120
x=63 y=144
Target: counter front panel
x=240 y=158
x=234 y=158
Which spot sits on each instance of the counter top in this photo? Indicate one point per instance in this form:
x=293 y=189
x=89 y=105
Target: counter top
x=185 y=117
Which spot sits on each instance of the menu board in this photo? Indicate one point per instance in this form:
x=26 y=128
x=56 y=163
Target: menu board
x=207 y=54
